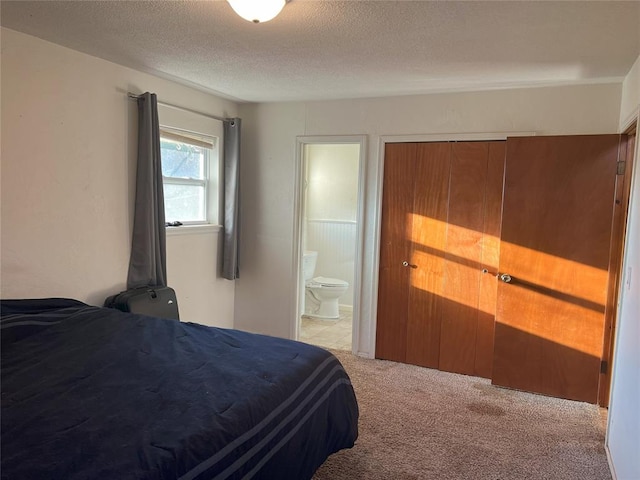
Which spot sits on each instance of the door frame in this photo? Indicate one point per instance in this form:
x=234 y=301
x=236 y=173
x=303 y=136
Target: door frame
x=376 y=190
x=301 y=142
x=617 y=256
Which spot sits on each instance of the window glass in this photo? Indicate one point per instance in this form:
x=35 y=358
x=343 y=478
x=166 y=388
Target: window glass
x=182 y=160
x=184 y=203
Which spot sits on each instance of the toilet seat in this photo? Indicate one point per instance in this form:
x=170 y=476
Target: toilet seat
x=329 y=282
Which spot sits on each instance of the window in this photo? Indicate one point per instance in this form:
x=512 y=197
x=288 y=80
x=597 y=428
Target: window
x=189 y=173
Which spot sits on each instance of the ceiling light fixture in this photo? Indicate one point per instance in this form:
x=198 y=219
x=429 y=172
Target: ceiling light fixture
x=257 y=11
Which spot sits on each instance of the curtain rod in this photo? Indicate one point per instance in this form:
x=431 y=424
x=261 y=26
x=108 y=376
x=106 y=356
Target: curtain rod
x=133 y=96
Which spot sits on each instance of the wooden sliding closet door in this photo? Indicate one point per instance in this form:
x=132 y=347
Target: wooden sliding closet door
x=395 y=247
x=411 y=259
x=556 y=234
x=427 y=244
x=472 y=245
x=440 y=227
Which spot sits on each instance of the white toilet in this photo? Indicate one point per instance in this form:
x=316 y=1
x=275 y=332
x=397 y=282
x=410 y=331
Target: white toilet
x=321 y=293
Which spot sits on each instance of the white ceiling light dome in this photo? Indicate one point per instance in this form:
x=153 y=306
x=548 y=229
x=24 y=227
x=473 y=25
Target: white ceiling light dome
x=257 y=11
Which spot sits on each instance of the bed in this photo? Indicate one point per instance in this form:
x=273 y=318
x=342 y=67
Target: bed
x=91 y=392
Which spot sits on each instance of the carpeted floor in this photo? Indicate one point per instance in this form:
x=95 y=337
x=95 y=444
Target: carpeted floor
x=417 y=423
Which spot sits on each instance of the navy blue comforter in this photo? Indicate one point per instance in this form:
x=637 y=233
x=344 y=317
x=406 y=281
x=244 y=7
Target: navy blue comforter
x=90 y=392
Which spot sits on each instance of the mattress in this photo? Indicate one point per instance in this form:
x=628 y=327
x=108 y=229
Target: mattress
x=90 y=392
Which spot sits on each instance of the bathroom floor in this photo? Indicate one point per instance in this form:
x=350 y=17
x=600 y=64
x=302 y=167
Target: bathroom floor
x=335 y=334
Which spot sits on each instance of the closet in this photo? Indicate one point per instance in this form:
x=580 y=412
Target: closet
x=494 y=259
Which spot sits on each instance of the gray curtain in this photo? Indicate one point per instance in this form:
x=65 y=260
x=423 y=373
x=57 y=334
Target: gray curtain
x=231 y=158
x=147 y=265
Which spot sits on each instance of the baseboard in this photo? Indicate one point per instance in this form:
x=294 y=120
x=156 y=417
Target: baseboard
x=612 y=470
x=346 y=308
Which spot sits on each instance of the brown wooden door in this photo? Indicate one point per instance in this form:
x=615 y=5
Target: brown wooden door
x=427 y=240
x=555 y=239
x=393 y=281
x=473 y=230
x=440 y=227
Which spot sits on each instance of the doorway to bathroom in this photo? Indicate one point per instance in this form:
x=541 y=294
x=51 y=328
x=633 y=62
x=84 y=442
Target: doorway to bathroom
x=329 y=239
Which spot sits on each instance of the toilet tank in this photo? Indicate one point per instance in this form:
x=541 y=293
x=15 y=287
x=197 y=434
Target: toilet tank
x=309 y=259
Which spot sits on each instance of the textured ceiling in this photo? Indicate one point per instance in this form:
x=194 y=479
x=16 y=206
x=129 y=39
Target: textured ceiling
x=318 y=50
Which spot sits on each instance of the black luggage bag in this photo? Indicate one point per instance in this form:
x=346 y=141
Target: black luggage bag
x=152 y=301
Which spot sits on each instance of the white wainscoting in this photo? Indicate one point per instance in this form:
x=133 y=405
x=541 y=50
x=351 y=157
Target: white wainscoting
x=335 y=242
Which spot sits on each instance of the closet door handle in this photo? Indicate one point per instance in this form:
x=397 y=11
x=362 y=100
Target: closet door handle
x=505 y=277
x=407 y=264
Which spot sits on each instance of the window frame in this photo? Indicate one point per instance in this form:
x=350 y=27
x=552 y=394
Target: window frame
x=211 y=147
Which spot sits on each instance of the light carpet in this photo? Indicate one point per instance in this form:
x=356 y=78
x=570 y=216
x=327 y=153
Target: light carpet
x=419 y=423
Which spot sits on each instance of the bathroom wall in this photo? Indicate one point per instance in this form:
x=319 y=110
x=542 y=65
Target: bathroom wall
x=331 y=174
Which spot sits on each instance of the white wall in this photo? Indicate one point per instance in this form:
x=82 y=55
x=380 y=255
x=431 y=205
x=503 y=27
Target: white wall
x=630 y=94
x=269 y=173
x=332 y=176
x=623 y=433
x=68 y=170
x=192 y=266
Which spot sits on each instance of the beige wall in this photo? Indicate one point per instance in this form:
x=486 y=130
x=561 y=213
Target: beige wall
x=68 y=167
